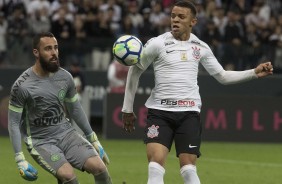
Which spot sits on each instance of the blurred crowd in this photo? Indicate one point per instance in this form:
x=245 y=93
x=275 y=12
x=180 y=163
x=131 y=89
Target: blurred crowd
x=242 y=33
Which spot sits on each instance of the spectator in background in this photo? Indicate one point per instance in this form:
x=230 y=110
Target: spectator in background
x=39 y=22
x=62 y=28
x=240 y=6
x=264 y=10
x=3 y=34
x=233 y=36
x=115 y=17
x=80 y=46
x=276 y=40
x=117 y=77
x=103 y=37
x=253 y=49
x=158 y=18
x=210 y=9
x=127 y=27
x=148 y=31
x=36 y=6
x=220 y=20
x=167 y=5
x=212 y=37
x=17 y=32
x=135 y=17
x=8 y=6
x=58 y=4
x=88 y=10
x=275 y=6
x=146 y=4
x=118 y=10
x=264 y=34
x=254 y=18
x=202 y=19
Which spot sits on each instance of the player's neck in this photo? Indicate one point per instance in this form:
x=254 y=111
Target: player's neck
x=37 y=69
x=182 y=37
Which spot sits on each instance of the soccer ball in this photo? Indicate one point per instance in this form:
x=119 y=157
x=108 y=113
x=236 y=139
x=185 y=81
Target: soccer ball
x=127 y=50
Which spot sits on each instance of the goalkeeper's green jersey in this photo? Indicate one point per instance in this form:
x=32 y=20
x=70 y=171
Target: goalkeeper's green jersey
x=37 y=106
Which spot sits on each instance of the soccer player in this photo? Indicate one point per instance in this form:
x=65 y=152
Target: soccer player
x=37 y=106
x=174 y=104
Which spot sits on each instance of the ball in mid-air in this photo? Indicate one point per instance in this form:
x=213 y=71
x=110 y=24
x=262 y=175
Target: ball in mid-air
x=127 y=50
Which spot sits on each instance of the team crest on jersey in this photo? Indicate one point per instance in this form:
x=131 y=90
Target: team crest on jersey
x=55 y=157
x=153 y=131
x=62 y=94
x=196 y=52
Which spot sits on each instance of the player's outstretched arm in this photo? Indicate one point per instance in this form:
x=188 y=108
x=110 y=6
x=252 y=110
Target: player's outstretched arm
x=233 y=77
x=27 y=171
x=264 y=69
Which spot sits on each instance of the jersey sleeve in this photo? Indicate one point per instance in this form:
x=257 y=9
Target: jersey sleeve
x=210 y=62
x=74 y=107
x=18 y=97
x=14 y=119
x=17 y=101
x=71 y=94
x=150 y=52
x=78 y=115
x=214 y=68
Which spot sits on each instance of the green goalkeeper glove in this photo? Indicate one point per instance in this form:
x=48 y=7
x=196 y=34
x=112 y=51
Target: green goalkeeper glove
x=27 y=171
x=93 y=139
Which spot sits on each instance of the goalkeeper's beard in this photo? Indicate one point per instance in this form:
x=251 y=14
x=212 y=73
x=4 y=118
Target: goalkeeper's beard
x=48 y=65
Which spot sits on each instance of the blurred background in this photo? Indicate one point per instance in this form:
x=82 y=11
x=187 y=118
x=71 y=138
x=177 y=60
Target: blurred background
x=241 y=33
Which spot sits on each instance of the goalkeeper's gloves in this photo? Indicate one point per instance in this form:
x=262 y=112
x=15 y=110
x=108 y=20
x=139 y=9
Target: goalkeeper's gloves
x=27 y=171
x=93 y=139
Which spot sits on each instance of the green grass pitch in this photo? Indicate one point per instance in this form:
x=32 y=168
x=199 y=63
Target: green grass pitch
x=220 y=163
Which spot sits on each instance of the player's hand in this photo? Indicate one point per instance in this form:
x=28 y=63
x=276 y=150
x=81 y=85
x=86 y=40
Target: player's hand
x=128 y=120
x=27 y=171
x=93 y=139
x=264 y=69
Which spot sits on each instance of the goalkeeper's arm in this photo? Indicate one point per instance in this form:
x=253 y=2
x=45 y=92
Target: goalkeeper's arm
x=77 y=114
x=27 y=171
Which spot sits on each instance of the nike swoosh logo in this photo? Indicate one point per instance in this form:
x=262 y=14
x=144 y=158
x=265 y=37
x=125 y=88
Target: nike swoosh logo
x=169 y=51
x=190 y=146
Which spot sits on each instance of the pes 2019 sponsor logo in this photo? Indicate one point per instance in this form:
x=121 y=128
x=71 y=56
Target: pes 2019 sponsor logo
x=179 y=103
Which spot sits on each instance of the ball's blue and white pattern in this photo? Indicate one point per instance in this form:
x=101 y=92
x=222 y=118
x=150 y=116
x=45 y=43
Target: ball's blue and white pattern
x=127 y=50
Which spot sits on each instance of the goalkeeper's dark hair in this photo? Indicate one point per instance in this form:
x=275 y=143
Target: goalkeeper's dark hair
x=37 y=37
x=187 y=4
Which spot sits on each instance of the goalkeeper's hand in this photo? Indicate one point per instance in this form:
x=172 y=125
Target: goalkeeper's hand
x=93 y=139
x=27 y=171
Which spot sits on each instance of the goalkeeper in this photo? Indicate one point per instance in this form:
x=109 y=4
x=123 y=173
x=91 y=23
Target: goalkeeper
x=37 y=106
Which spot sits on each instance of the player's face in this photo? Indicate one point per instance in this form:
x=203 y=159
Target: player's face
x=182 y=21
x=48 y=54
